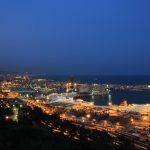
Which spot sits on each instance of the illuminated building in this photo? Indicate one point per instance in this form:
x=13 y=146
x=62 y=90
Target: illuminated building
x=98 y=89
x=124 y=103
x=71 y=87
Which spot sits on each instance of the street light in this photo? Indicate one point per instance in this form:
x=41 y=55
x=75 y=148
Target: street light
x=88 y=116
x=145 y=118
x=6 y=117
x=132 y=120
x=21 y=106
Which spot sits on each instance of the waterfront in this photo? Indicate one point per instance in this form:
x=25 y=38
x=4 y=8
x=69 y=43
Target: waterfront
x=133 y=97
x=116 y=96
x=82 y=105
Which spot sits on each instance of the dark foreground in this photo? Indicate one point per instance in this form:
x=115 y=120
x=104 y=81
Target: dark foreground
x=38 y=131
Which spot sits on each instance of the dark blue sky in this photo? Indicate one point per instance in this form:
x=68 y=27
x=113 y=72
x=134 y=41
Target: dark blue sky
x=75 y=36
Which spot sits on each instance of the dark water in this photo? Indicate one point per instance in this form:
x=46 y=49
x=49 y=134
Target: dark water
x=133 y=97
x=139 y=97
x=128 y=80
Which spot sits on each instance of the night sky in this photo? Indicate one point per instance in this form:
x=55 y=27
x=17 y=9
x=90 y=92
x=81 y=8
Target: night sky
x=75 y=36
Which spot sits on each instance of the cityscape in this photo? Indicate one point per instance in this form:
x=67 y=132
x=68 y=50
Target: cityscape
x=75 y=75
x=58 y=107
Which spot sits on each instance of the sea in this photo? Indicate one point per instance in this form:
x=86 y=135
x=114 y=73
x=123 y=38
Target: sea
x=116 y=97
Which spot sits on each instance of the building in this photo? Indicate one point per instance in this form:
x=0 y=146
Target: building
x=98 y=89
x=84 y=89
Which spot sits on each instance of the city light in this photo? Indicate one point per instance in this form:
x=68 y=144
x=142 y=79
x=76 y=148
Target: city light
x=132 y=120
x=145 y=118
x=21 y=106
x=7 y=117
x=88 y=116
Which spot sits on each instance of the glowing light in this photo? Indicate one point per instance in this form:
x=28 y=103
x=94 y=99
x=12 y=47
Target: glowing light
x=6 y=117
x=145 y=118
x=37 y=101
x=21 y=106
x=75 y=84
x=117 y=124
x=132 y=120
x=109 y=103
x=88 y=115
